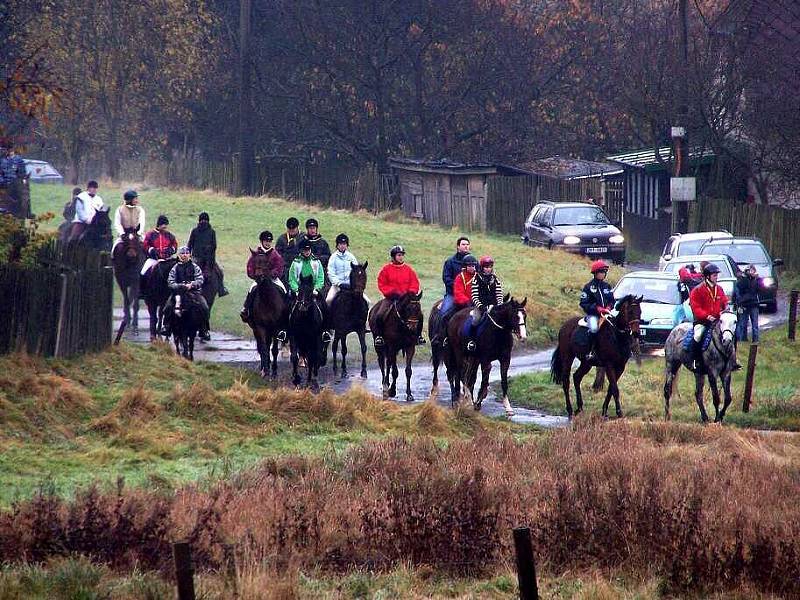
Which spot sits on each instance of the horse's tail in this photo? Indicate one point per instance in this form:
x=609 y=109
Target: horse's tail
x=556 y=367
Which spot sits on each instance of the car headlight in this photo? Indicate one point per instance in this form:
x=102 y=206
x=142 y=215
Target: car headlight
x=768 y=281
x=616 y=239
x=662 y=321
x=571 y=240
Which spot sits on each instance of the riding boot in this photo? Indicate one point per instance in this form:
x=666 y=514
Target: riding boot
x=736 y=365
x=247 y=307
x=204 y=331
x=699 y=365
x=590 y=355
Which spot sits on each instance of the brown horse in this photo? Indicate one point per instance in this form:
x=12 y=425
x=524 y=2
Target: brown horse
x=401 y=328
x=127 y=258
x=348 y=314
x=269 y=315
x=612 y=348
x=494 y=341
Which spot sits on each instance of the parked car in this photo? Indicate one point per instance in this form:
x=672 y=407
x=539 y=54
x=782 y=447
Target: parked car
x=576 y=227
x=728 y=269
x=680 y=244
x=664 y=303
x=747 y=251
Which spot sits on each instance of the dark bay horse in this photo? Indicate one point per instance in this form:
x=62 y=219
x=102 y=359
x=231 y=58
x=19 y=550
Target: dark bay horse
x=612 y=348
x=127 y=258
x=155 y=293
x=306 y=322
x=348 y=314
x=719 y=359
x=269 y=315
x=186 y=322
x=401 y=328
x=98 y=234
x=494 y=341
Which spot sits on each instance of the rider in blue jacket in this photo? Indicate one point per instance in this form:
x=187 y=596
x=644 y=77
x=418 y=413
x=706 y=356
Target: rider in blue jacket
x=597 y=299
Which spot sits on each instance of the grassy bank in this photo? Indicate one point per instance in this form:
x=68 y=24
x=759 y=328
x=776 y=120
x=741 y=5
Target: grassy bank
x=776 y=390
x=158 y=421
x=551 y=280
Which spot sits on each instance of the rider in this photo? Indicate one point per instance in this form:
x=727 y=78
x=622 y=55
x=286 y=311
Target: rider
x=462 y=291
x=453 y=266
x=203 y=245
x=319 y=247
x=395 y=279
x=87 y=205
x=275 y=268
x=185 y=278
x=287 y=244
x=487 y=291
x=597 y=299
x=707 y=300
x=688 y=274
x=159 y=244
x=129 y=215
x=308 y=265
x=339 y=267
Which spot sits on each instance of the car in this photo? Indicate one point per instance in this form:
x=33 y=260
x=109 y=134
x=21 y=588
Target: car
x=577 y=227
x=728 y=269
x=680 y=244
x=747 y=251
x=664 y=303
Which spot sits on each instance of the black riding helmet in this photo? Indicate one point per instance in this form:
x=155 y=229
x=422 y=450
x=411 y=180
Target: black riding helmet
x=312 y=223
x=342 y=239
x=395 y=250
x=265 y=236
x=710 y=269
x=162 y=220
x=468 y=260
x=130 y=196
x=304 y=243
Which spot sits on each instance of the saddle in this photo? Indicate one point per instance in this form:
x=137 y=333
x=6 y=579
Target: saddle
x=467 y=328
x=688 y=339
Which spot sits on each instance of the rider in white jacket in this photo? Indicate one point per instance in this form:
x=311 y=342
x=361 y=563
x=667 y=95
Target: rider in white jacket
x=339 y=266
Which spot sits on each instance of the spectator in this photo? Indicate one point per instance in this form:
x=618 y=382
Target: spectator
x=746 y=298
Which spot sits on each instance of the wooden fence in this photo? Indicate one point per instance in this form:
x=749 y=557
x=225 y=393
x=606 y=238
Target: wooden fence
x=62 y=307
x=775 y=226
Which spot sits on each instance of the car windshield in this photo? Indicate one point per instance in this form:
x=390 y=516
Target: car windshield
x=659 y=291
x=741 y=253
x=580 y=215
x=690 y=247
x=724 y=267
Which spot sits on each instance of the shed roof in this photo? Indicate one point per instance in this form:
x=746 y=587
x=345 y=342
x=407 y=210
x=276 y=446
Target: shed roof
x=646 y=159
x=564 y=167
x=449 y=167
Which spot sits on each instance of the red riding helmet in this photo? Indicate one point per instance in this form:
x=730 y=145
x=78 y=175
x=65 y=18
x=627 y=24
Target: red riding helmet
x=599 y=265
x=486 y=261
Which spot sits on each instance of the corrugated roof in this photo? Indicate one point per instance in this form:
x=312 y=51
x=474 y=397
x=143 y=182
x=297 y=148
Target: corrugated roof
x=647 y=158
x=564 y=167
x=448 y=166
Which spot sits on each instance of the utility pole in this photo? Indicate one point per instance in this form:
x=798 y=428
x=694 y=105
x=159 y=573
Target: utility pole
x=680 y=210
x=245 y=99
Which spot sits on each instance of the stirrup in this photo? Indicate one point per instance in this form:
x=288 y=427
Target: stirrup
x=471 y=346
x=378 y=340
x=281 y=336
x=326 y=337
x=421 y=341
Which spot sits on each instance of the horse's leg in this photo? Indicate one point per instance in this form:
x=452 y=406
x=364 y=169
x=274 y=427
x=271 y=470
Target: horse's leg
x=599 y=379
x=613 y=382
x=505 y=362
x=435 y=358
x=126 y=305
x=699 y=384
x=712 y=383
x=395 y=374
x=577 y=377
x=726 y=391
x=483 y=391
x=566 y=367
x=334 y=349
x=258 y=334
x=295 y=360
x=362 y=339
x=273 y=341
x=152 y=311
x=344 y=356
x=191 y=346
x=382 y=363
x=135 y=295
x=669 y=372
x=409 y=358
x=469 y=377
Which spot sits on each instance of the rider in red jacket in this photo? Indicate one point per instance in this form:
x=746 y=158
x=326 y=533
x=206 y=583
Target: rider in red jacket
x=395 y=279
x=158 y=244
x=707 y=300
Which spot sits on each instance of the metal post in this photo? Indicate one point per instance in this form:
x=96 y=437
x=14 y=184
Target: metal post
x=526 y=570
x=751 y=372
x=184 y=573
x=792 y=314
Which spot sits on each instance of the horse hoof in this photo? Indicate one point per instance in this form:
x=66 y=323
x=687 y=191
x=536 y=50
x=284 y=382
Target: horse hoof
x=263 y=374
x=476 y=406
x=409 y=397
x=363 y=374
x=619 y=415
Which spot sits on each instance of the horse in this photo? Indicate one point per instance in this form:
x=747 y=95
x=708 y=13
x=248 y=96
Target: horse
x=348 y=313
x=127 y=258
x=186 y=323
x=401 y=329
x=494 y=341
x=155 y=293
x=719 y=360
x=612 y=347
x=98 y=234
x=269 y=315
x=306 y=322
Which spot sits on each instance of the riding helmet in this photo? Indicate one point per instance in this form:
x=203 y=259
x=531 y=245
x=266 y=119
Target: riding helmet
x=130 y=195
x=292 y=223
x=342 y=239
x=184 y=250
x=599 y=265
x=468 y=260
x=203 y=216
x=312 y=223
x=162 y=220
x=395 y=250
x=486 y=261
x=304 y=243
x=265 y=236
x=710 y=269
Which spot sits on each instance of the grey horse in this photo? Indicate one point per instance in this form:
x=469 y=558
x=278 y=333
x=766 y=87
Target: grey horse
x=719 y=359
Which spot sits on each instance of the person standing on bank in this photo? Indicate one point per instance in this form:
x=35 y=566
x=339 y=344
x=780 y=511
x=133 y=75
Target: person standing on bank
x=746 y=298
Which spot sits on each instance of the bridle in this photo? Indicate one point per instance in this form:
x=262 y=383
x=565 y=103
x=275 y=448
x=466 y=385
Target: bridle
x=625 y=330
x=411 y=323
x=722 y=334
x=510 y=327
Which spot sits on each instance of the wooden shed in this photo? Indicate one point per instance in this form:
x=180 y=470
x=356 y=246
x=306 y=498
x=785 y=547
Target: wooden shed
x=447 y=193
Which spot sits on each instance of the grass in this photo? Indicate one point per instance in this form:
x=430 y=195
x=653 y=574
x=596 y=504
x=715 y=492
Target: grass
x=551 y=280
x=144 y=414
x=775 y=402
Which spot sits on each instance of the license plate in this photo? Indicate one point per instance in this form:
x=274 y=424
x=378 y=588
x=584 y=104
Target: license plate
x=597 y=250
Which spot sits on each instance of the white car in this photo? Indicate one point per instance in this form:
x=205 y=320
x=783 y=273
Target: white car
x=680 y=244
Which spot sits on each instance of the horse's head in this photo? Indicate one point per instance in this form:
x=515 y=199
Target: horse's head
x=410 y=310
x=131 y=242
x=727 y=327
x=260 y=264
x=358 y=277
x=511 y=315
x=629 y=314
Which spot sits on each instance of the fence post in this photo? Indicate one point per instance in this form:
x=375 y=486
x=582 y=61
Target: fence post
x=184 y=573
x=751 y=372
x=62 y=307
x=792 y=314
x=526 y=570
